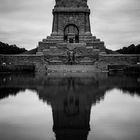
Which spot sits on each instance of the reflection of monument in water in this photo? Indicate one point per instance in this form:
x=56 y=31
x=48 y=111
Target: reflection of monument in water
x=71 y=100
x=71 y=41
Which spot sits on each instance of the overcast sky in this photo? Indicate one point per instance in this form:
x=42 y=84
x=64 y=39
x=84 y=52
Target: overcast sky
x=25 y=22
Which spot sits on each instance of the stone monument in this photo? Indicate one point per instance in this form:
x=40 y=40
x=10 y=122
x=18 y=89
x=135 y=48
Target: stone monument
x=71 y=41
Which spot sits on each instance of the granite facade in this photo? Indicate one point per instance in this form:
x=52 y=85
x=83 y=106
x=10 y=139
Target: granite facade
x=118 y=59
x=42 y=64
x=71 y=27
x=35 y=60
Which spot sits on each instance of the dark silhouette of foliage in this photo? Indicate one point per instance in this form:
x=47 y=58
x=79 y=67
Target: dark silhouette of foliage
x=33 y=51
x=132 y=49
x=108 y=51
x=10 y=49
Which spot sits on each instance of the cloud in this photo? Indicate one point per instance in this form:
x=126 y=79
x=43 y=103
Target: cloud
x=116 y=21
x=26 y=22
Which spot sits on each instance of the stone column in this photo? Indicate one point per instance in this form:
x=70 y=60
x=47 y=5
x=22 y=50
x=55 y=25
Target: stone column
x=89 y=30
x=54 y=28
x=87 y=24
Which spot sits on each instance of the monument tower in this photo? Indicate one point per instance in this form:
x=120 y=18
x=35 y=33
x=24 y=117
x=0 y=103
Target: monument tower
x=71 y=40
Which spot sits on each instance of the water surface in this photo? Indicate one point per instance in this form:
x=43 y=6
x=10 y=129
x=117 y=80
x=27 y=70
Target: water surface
x=60 y=107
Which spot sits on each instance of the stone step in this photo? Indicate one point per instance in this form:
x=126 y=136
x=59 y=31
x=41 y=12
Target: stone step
x=87 y=37
x=53 y=41
x=72 y=68
x=75 y=74
x=55 y=37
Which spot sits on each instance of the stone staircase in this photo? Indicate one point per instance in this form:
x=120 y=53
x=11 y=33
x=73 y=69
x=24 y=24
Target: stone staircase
x=58 y=40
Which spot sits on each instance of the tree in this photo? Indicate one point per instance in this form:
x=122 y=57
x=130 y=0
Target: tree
x=10 y=49
x=132 y=49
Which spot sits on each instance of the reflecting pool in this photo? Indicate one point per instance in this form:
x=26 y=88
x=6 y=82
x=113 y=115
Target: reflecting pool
x=69 y=107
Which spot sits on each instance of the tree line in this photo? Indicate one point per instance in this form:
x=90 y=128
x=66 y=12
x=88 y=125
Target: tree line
x=10 y=49
x=132 y=49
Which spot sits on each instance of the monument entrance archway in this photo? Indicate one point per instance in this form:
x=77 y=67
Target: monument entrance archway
x=71 y=34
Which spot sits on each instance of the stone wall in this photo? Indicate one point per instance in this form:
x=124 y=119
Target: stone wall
x=40 y=64
x=66 y=16
x=37 y=60
x=117 y=59
x=71 y=3
x=77 y=19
